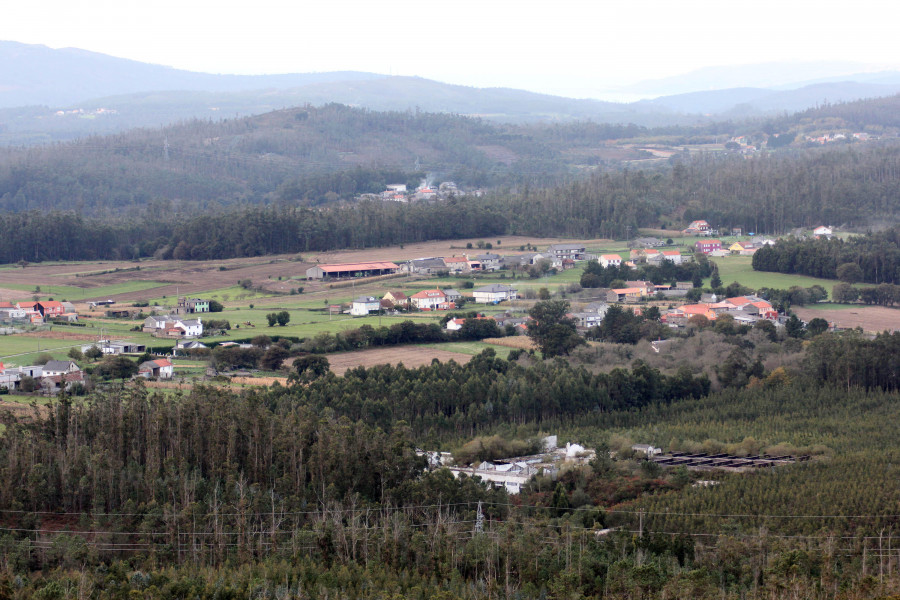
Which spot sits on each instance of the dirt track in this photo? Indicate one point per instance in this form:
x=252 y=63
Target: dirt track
x=59 y=335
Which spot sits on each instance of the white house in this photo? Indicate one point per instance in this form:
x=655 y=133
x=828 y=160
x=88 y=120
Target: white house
x=455 y=324
x=491 y=294
x=823 y=230
x=59 y=367
x=610 y=259
x=10 y=311
x=364 y=305
x=428 y=299
x=172 y=326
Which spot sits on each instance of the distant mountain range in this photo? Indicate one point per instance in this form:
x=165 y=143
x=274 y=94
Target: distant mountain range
x=49 y=95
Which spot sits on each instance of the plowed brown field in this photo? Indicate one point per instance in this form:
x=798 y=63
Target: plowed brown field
x=871 y=318
x=410 y=356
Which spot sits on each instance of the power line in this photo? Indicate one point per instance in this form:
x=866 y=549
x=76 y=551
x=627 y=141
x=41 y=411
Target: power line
x=375 y=510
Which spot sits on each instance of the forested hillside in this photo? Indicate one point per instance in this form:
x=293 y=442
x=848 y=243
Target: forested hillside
x=283 y=157
x=315 y=489
x=287 y=182
x=768 y=194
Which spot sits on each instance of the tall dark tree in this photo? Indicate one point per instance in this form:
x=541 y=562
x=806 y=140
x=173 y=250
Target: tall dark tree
x=551 y=329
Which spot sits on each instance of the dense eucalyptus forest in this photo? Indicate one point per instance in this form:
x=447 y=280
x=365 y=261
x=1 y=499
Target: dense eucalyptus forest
x=315 y=489
x=766 y=194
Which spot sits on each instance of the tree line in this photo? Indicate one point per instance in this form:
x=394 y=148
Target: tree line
x=870 y=258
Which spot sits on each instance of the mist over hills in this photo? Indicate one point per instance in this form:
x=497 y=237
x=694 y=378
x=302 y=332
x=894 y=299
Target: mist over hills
x=38 y=75
x=49 y=95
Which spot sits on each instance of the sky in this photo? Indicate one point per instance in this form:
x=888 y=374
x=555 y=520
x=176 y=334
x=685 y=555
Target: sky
x=580 y=48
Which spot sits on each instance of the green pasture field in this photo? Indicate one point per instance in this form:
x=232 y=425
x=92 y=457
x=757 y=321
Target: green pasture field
x=471 y=348
x=739 y=268
x=21 y=350
x=73 y=293
x=301 y=325
x=231 y=294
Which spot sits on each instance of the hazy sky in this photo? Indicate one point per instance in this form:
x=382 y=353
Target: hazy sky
x=564 y=46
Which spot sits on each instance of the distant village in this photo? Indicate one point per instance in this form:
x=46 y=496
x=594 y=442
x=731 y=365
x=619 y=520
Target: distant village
x=398 y=192
x=184 y=322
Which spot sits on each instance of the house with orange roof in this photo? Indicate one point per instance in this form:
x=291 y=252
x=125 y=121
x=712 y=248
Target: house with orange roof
x=610 y=259
x=739 y=301
x=159 y=368
x=428 y=299
x=642 y=254
x=457 y=264
x=9 y=312
x=679 y=317
x=631 y=294
x=341 y=270
x=699 y=227
x=764 y=310
x=50 y=309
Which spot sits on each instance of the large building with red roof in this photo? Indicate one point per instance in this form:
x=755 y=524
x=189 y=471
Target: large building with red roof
x=342 y=270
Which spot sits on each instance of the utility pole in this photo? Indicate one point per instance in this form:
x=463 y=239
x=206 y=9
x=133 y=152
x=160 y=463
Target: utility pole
x=479 y=520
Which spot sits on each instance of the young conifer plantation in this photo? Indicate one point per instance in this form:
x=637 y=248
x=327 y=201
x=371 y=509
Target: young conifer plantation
x=315 y=489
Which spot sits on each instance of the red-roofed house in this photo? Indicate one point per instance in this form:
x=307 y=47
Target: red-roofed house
x=364 y=269
x=698 y=228
x=428 y=299
x=457 y=264
x=680 y=316
x=159 y=368
x=766 y=311
x=632 y=294
x=610 y=259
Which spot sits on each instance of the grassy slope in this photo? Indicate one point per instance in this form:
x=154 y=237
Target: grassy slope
x=739 y=268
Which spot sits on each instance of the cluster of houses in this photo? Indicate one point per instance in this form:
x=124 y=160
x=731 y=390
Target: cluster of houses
x=173 y=326
x=636 y=291
x=38 y=312
x=433 y=299
x=655 y=257
x=830 y=138
x=714 y=247
x=49 y=378
x=58 y=375
x=515 y=472
x=398 y=192
x=746 y=310
x=559 y=256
